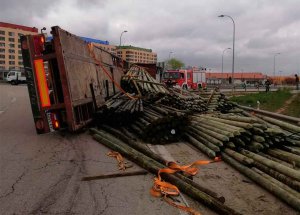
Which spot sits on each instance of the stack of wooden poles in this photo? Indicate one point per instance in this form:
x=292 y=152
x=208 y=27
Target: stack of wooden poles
x=120 y=108
x=216 y=101
x=184 y=101
x=264 y=149
x=159 y=124
x=137 y=80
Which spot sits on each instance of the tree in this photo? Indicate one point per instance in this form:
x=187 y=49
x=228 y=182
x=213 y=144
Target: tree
x=174 y=63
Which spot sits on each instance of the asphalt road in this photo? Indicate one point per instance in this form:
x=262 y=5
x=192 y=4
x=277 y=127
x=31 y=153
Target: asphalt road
x=41 y=174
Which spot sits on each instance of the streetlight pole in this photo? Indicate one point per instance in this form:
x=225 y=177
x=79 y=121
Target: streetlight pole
x=168 y=64
x=274 y=68
x=233 y=41
x=121 y=36
x=223 y=60
x=170 y=55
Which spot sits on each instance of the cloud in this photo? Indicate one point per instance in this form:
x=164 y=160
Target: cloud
x=190 y=29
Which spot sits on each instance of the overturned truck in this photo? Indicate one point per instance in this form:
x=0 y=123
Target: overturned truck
x=72 y=82
x=63 y=74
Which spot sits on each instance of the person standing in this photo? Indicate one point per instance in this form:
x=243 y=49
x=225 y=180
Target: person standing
x=297 y=81
x=267 y=85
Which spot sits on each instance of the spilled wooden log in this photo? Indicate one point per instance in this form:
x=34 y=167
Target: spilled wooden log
x=153 y=166
x=114 y=175
x=287 y=197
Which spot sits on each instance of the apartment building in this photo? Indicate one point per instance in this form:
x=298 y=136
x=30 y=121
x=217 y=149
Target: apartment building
x=136 y=54
x=10 y=47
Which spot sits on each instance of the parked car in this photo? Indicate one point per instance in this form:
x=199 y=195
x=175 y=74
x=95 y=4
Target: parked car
x=16 y=77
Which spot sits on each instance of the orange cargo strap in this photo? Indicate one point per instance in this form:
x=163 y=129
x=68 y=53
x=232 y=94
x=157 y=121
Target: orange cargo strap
x=164 y=189
x=98 y=62
x=119 y=158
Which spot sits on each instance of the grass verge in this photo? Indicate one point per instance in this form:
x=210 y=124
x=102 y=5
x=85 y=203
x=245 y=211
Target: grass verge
x=270 y=101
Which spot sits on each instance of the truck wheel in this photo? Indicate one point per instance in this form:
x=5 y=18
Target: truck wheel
x=14 y=82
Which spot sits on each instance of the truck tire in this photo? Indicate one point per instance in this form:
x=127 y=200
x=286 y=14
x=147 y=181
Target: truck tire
x=14 y=82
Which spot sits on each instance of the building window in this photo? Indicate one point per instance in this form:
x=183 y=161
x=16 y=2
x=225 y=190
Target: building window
x=2 y=32
x=20 y=57
x=2 y=67
x=11 y=39
x=19 y=52
x=11 y=34
x=11 y=51
x=19 y=34
x=20 y=63
x=2 y=38
x=2 y=62
x=2 y=56
x=2 y=50
x=19 y=46
x=11 y=67
x=11 y=62
x=12 y=45
x=11 y=57
x=2 y=44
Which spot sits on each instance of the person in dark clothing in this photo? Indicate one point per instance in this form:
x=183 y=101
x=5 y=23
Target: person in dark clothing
x=267 y=84
x=297 y=81
x=169 y=83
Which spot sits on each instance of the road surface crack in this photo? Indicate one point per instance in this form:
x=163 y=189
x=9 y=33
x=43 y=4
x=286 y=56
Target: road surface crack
x=12 y=189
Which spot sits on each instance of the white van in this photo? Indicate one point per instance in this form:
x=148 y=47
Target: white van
x=16 y=77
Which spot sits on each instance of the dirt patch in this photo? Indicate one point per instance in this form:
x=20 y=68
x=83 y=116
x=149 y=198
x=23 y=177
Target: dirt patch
x=286 y=104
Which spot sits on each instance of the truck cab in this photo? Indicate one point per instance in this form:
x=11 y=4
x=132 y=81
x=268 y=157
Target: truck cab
x=183 y=78
x=15 y=77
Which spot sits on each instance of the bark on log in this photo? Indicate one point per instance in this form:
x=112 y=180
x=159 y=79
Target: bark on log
x=279 y=192
x=274 y=165
x=152 y=166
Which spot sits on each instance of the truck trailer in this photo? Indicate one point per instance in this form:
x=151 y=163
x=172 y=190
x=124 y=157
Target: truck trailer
x=67 y=79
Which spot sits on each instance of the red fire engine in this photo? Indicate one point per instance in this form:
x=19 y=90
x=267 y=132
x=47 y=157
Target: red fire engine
x=185 y=78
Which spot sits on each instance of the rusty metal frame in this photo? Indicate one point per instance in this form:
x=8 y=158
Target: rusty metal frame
x=32 y=58
x=63 y=76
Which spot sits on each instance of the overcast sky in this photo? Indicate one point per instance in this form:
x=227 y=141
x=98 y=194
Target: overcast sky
x=190 y=29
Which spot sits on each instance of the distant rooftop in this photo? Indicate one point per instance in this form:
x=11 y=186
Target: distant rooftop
x=87 y=39
x=21 y=27
x=135 y=48
x=91 y=40
x=237 y=75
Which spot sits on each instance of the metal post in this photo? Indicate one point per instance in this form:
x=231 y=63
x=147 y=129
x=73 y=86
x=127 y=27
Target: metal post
x=275 y=64
x=168 y=64
x=121 y=37
x=170 y=55
x=233 y=44
x=223 y=62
